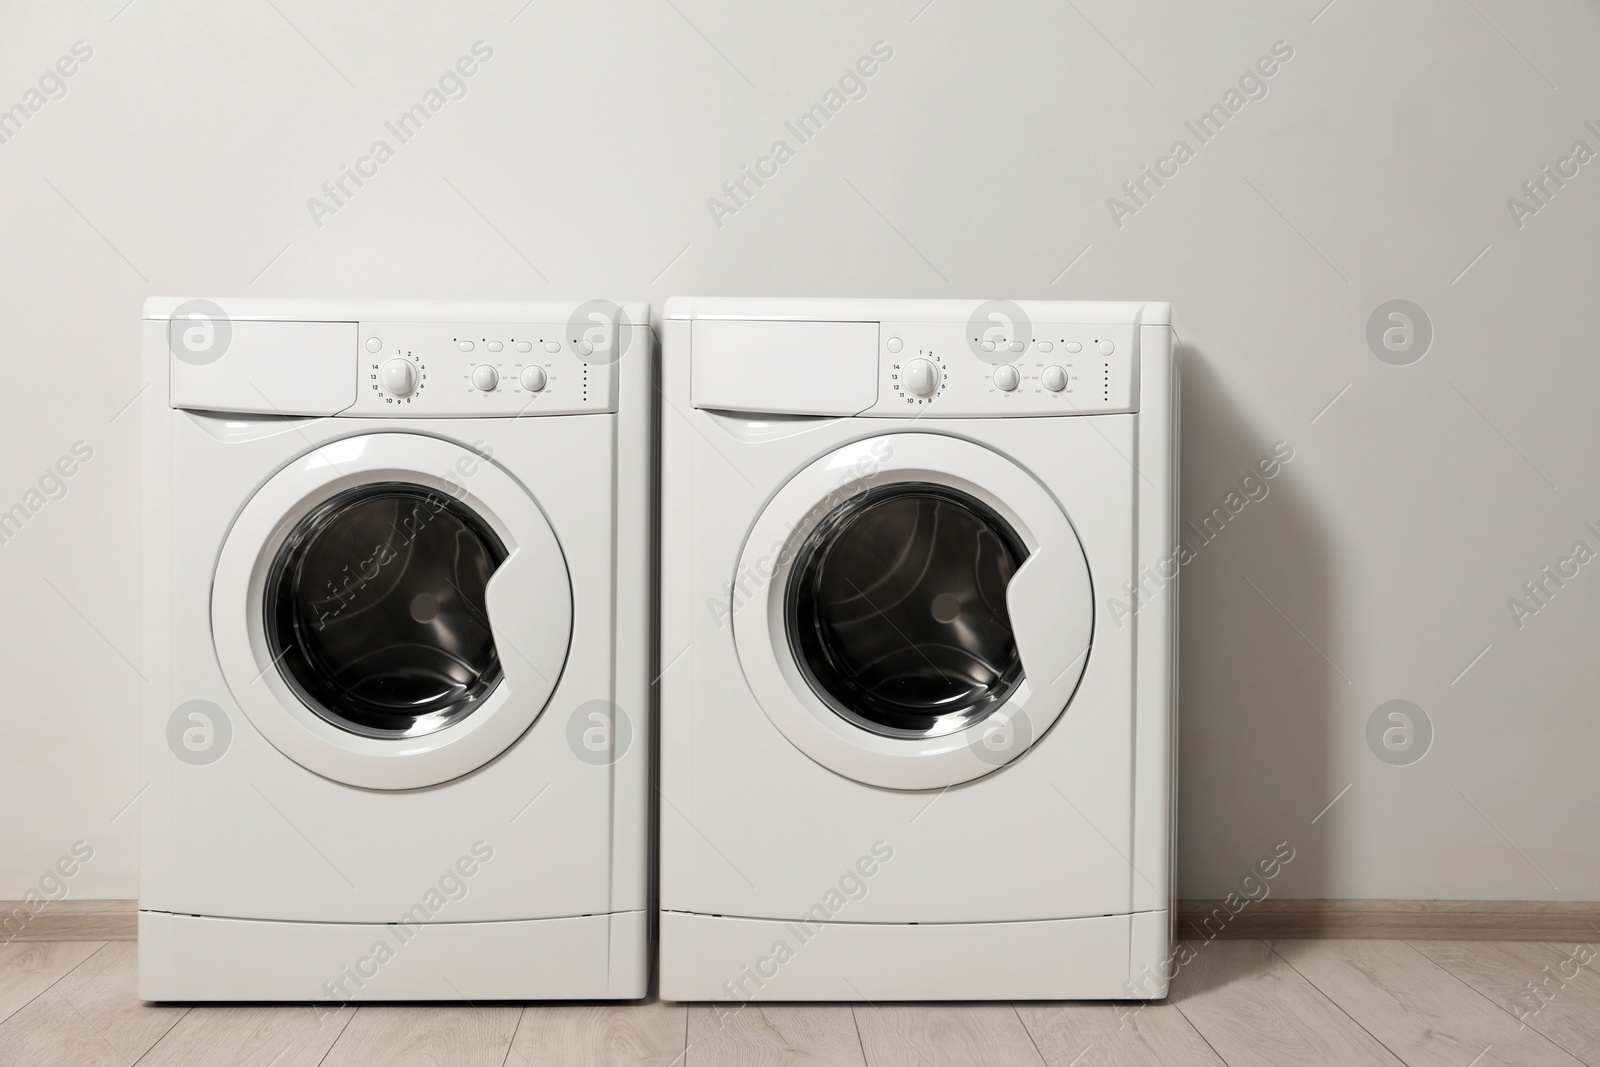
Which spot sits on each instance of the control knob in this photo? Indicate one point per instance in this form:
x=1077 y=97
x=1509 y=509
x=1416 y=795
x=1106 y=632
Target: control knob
x=399 y=377
x=921 y=377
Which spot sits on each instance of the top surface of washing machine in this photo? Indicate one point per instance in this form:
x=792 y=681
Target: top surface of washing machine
x=895 y=539
x=397 y=630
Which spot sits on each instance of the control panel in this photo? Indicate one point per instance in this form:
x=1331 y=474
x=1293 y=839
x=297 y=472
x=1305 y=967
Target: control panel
x=463 y=370
x=933 y=368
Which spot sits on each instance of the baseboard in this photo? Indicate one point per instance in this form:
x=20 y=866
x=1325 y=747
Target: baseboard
x=1417 y=920
x=69 y=920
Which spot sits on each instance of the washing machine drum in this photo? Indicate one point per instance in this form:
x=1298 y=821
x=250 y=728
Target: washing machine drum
x=913 y=610
x=896 y=610
x=387 y=625
x=376 y=610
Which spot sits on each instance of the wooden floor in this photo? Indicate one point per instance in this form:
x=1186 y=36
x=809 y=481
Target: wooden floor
x=1240 y=1003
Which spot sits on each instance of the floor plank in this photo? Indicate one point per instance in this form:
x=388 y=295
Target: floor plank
x=1544 y=985
x=600 y=1035
x=936 y=1035
x=771 y=1034
x=29 y=968
x=1243 y=1003
x=93 y=1015
x=104 y=990
x=1426 y=1015
x=1256 y=1011
x=1111 y=1035
x=50 y=1031
x=426 y=1035
x=247 y=1035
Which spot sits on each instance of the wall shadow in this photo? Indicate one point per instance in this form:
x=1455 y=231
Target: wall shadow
x=1257 y=698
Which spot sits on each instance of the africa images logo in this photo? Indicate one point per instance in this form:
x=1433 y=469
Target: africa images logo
x=52 y=85
x=852 y=886
x=1252 y=488
x=199 y=732
x=997 y=330
x=450 y=85
x=738 y=191
x=598 y=332
x=199 y=333
x=452 y=886
x=1138 y=191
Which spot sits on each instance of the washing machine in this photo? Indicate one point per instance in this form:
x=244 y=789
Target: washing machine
x=396 y=725
x=918 y=640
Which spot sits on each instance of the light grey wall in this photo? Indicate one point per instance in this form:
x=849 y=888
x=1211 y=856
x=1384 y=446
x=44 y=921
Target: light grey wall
x=979 y=163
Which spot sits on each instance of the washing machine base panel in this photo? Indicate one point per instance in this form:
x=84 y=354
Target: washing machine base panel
x=731 y=960
x=200 y=958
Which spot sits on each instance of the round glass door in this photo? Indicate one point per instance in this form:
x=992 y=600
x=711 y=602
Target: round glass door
x=896 y=610
x=386 y=627
x=375 y=610
x=926 y=614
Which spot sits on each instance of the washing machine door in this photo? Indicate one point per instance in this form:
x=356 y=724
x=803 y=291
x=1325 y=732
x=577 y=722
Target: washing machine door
x=392 y=611
x=913 y=610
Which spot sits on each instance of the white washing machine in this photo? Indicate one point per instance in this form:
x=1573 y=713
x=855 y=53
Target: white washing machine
x=918 y=637
x=396 y=732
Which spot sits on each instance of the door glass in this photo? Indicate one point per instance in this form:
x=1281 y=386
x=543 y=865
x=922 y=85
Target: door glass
x=896 y=610
x=375 y=610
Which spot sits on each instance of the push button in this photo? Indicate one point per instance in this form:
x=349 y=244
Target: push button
x=465 y=346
